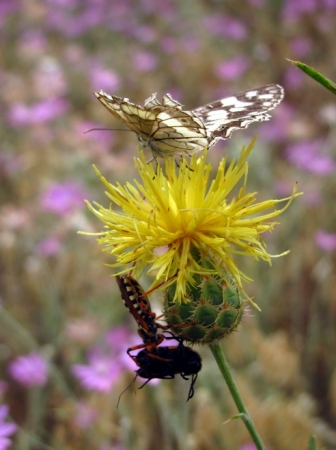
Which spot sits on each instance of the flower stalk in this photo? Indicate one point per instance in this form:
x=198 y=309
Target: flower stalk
x=218 y=353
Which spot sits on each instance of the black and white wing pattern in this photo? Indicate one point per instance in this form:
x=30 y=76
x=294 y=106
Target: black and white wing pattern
x=163 y=127
x=169 y=131
x=224 y=116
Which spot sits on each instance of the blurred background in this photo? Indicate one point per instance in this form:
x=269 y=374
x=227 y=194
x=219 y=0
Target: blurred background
x=63 y=327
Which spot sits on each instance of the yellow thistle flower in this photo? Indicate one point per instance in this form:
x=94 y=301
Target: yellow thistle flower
x=176 y=210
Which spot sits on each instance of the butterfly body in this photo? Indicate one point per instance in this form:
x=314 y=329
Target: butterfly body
x=167 y=130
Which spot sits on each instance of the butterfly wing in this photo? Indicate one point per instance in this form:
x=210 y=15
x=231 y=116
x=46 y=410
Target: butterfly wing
x=222 y=117
x=164 y=127
x=135 y=117
x=178 y=132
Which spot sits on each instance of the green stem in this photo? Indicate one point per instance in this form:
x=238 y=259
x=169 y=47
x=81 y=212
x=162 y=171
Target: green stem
x=244 y=414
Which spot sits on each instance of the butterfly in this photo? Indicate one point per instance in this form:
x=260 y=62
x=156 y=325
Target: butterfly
x=169 y=131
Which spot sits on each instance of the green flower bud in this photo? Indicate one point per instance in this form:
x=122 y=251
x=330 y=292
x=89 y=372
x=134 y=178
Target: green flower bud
x=213 y=307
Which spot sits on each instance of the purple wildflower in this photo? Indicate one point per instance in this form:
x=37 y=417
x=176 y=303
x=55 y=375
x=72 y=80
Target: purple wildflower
x=7 y=8
x=73 y=20
x=233 y=68
x=22 y=115
x=106 y=363
x=326 y=241
x=226 y=26
x=306 y=155
x=100 y=374
x=6 y=428
x=292 y=11
x=119 y=340
x=63 y=199
x=29 y=370
x=33 y=43
x=329 y=5
x=144 y=61
x=49 y=247
x=104 y=79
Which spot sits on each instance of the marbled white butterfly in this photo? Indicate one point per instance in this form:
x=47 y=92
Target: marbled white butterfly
x=168 y=130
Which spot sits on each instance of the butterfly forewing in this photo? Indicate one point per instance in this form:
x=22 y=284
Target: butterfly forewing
x=132 y=115
x=169 y=131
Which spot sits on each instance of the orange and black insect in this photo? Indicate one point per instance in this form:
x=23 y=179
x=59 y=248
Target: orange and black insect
x=169 y=361
x=162 y=362
x=137 y=302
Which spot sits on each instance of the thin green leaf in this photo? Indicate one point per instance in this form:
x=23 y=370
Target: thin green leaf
x=317 y=76
x=312 y=445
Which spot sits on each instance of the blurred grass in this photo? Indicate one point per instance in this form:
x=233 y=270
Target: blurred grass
x=283 y=358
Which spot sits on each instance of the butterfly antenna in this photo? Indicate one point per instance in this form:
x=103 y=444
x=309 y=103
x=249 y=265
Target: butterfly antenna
x=107 y=129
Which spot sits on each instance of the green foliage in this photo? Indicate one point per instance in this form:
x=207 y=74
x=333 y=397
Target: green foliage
x=317 y=76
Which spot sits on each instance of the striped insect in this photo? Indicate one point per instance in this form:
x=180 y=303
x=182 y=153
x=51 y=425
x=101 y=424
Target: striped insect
x=137 y=302
x=167 y=130
x=153 y=360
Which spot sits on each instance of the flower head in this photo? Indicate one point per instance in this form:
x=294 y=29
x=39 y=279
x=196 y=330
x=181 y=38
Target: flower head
x=184 y=209
x=6 y=428
x=21 y=115
x=30 y=370
x=326 y=241
x=99 y=375
x=62 y=199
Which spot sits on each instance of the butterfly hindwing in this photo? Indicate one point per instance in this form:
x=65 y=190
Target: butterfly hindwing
x=224 y=116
